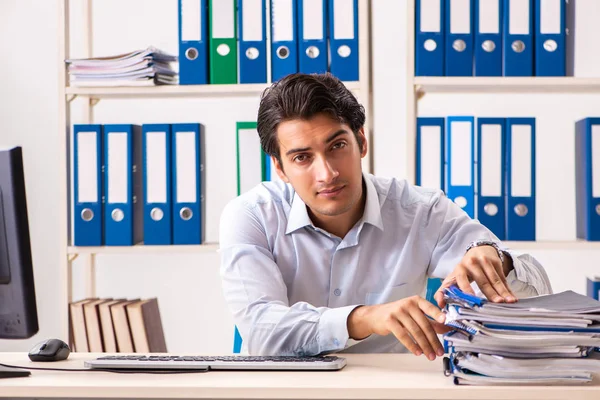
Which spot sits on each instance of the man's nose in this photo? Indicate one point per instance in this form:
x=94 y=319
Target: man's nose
x=326 y=171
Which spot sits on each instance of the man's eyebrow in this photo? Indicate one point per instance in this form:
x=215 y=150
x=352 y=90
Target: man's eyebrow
x=329 y=139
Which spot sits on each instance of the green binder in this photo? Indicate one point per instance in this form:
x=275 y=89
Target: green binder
x=223 y=41
x=251 y=160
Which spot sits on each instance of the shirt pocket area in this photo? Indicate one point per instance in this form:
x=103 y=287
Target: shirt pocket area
x=389 y=294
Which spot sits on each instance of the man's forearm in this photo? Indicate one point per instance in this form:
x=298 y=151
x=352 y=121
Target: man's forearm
x=358 y=326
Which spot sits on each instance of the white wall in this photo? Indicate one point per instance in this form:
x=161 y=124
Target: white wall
x=194 y=314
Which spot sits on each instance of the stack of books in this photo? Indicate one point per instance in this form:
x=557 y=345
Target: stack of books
x=146 y=67
x=552 y=339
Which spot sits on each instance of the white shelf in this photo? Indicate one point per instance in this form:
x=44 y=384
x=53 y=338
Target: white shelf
x=469 y=84
x=142 y=249
x=553 y=245
x=180 y=90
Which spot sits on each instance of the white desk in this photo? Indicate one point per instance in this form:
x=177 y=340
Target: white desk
x=373 y=376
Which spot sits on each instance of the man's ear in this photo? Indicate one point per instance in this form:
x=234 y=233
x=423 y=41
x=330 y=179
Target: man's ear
x=279 y=170
x=363 y=150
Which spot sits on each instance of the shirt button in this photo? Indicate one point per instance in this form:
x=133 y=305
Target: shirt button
x=337 y=292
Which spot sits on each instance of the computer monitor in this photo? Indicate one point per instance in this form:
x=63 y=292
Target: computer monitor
x=18 y=311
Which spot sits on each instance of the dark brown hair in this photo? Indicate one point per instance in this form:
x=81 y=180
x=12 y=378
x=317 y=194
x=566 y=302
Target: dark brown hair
x=303 y=96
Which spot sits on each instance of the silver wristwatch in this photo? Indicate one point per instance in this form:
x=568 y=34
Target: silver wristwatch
x=487 y=243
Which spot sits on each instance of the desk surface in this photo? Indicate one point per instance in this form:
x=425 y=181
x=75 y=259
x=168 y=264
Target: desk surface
x=375 y=376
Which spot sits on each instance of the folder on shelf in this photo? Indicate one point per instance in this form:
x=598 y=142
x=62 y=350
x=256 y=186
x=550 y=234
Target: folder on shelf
x=583 y=49
x=187 y=183
x=593 y=287
x=518 y=38
x=312 y=36
x=459 y=156
x=123 y=209
x=87 y=170
x=430 y=153
x=429 y=38
x=550 y=38
x=252 y=41
x=488 y=38
x=459 y=38
x=587 y=178
x=284 y=41
x=251 y=160
x=490 y=175
x=222 y=42
x=157 y=184
x=193 y=42
x=343 y=39
x=520 y=171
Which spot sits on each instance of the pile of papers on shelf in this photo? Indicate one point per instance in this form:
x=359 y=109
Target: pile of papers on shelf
x=552 y=339
x=146 y=67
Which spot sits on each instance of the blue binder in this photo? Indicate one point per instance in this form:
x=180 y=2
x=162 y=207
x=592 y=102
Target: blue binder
x=430 y=153
x=429 y=38
x=459 y=38
x=123 y=208
x=193 y=42
x=491 y=166
x=587 y=178
x=187 y=182
x=87 y=170
x=550 y=38
x=593 y=287
x=312 y=36
x=520 y=158
x=157 y=183
x=518 y=38
x=488 y=38
x=460 y=156
x=284 y=39
x=343 y=39
x=252 y=41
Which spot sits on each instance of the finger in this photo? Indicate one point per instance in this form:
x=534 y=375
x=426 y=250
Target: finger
x=439 y=294
x=427 y=327
x=477 y=273
x=496 y=278
x=464 y=284
x=402 y=335
x=417 y=333
x=440 y=328
x=431 y=310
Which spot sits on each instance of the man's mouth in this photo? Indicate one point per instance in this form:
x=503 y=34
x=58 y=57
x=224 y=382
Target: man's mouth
x=331 y=192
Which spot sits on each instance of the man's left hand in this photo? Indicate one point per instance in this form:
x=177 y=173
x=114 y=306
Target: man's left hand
x=482 y=265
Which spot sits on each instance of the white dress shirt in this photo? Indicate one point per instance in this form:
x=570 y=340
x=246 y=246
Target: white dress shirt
x=291 y=285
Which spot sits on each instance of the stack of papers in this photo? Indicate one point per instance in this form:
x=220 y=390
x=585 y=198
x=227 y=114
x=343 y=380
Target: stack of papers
x=553 y=339
x=146 y=67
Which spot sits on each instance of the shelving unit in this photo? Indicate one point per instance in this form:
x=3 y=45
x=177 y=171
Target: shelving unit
x=91 y=96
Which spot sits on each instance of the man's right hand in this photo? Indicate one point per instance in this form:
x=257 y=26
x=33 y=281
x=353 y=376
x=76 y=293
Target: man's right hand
x=407 y=320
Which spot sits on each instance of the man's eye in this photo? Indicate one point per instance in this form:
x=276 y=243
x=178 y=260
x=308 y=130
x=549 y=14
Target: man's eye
x=300 y=158
x=339 y=145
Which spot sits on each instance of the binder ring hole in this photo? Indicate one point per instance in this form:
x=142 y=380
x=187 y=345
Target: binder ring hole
x=459 y=45
x=156 y=214
x=87 y=215
x=518 y=46
x=488 y=46
x=550 y=45
x=117 y=215
x=598 y=209
x=490 y=209
x=191 y=54
x=312 y=52
x=223 y=49
x=521 y=210
x=252 y=53
x=461 y=201
x=186 y=213
x=430 y=45
x=283 y=52
x=344 y=51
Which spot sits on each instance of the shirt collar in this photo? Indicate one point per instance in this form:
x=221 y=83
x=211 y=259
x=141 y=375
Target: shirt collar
x=299 y=218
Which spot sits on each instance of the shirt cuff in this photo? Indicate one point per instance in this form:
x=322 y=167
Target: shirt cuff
x=333 y=328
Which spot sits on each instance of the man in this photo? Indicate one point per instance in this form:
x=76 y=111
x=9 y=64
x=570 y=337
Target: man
x=330 y=259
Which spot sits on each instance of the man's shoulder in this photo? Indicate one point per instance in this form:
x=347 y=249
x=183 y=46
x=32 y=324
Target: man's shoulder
x=403 y=193
x=265 y=194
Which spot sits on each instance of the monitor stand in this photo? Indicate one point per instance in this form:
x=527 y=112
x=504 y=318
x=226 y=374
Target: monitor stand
x=6 y=372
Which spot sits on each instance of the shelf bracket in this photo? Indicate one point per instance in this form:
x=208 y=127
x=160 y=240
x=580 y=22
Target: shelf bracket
x=419 y=93
x=72 y=257
x=94 y=101
x=71 y=97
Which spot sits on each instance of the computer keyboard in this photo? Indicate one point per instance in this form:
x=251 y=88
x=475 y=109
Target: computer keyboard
x=239 y=362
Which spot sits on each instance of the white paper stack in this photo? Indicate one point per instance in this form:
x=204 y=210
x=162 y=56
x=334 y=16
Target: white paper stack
x=550 y=339
x=146 y=67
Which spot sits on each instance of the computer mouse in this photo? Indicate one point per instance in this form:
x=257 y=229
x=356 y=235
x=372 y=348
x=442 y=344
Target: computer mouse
x=50 y=350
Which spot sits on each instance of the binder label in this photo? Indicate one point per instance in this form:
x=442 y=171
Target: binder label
x=491 y=161
x=156 y=164
x=223 y=24
x=596 y=161
x=461 y=154
x=430 y=15
x=117 y=167
x=431 y=162
x=191 y=22
x=252 y=21
x=460 y=16
x=489 y=16
x=550 y=16
x=518 y=17
x=521 y=147
x=343 y=14
x=87 y=167
x=185 y=147
x=283 y=20
x=313 y=19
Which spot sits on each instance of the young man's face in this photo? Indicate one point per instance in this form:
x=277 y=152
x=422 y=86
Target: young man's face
x=322 y=161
